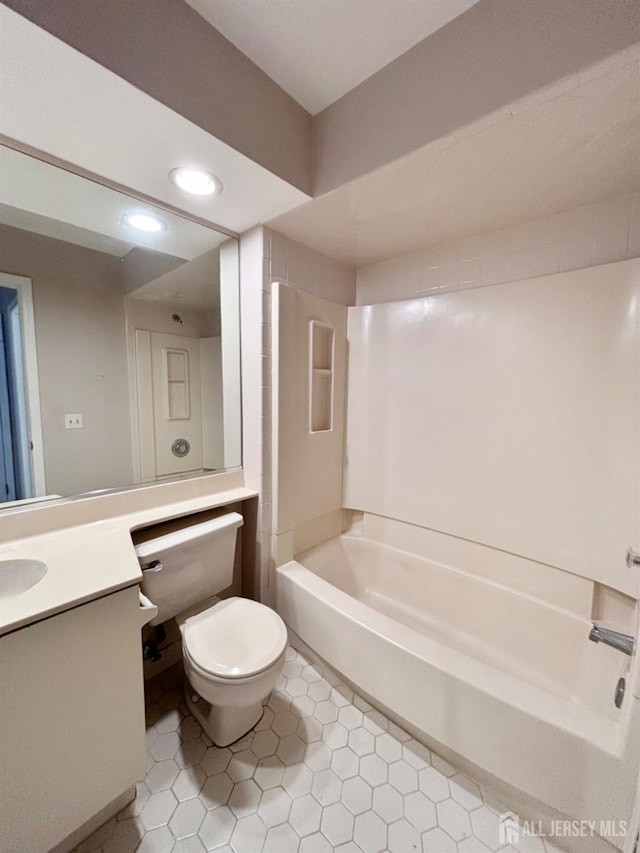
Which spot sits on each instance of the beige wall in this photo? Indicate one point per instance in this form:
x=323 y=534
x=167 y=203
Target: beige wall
x=289 y=262
x=495 y=53
x=82 y=362
x=505 y=415
x=583 y=237
x=267 y=257
x=307 y=466
x=201 y=75
x=158 y=317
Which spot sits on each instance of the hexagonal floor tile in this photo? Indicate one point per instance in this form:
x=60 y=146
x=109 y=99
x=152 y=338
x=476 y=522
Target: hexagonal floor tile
x=192 y=844
x=317 y=756
x=373 y=770
x=326 y=787
x=244 y=798
x=472 y=845
x=357 y=795
x=279 y=702
x=265 y=720
x=168 y=721
x=437 y=841
x=157 y=841
x=125 y=837
x=370 y=832
x=264 y=743
x=309 y=730
x=420 y=811
x=404 y=838
x=189 y=729
x=297 y=780
x=285 y=723
x=454 y=819
x=249 y=834
x=187 y=818
x=158 y=810
x=376 y=722
x=274 y=807
x=326 y=712
x=465 y=792
x=416 y=754
x=292 y=669
x=216 y=790
x=361 y=741
x=269 y=772
x=319 y=691
x=217 y=826
x=311 y=673
x=337 y=824
x=162 y=775
x=434 y=784
x=335 y=735
x=387 y=802
x=281 y=839
x=190 y=753
x=165 y=746
x=321 y=771
x=345 y=763
x=388 y=748
x=303 y=706
x=485 y=824
x=242 y=766
x=291 y=750
x=215 y=760
x=403 y=777
x=316 y=843
x=188 y=783
x=296 y=687
x=350 y=717
x=305 y=815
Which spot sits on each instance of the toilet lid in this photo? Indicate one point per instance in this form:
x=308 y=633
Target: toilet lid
x=235 y=639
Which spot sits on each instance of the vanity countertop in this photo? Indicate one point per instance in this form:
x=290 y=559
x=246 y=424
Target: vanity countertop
x=88 y=561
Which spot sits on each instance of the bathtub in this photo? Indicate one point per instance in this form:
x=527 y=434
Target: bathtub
x=504 y=680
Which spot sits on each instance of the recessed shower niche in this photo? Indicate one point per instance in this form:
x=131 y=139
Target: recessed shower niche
x=321 y=345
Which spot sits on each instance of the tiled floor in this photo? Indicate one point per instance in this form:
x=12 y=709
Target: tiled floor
x=322 y=771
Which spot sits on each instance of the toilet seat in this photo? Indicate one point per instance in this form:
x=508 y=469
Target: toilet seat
x=235 y=639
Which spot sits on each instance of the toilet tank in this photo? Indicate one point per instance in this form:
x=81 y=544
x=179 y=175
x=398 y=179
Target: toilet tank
x=185 y=562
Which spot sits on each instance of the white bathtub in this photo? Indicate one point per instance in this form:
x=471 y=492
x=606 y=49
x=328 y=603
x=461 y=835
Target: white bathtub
x=508 y=682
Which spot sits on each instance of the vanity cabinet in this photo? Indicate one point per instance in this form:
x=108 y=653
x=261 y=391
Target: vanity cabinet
x=71 y=721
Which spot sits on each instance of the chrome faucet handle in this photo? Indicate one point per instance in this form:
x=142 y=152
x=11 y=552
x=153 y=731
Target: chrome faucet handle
x=633 y=558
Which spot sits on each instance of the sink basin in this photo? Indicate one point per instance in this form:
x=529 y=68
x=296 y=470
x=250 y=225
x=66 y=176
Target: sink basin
x=17 y=576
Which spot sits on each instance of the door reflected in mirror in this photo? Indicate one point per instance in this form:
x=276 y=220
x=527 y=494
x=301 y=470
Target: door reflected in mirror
x=119 y=347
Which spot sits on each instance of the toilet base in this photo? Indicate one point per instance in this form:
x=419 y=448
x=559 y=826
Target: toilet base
x=222 y=724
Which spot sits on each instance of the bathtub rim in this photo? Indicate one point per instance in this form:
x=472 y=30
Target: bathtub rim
x=604 y=733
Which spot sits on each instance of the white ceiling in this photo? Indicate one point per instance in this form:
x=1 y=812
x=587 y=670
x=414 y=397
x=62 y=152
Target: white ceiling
x=318 y=50
x=120 y=133
x=43 y=199
x=574 y=143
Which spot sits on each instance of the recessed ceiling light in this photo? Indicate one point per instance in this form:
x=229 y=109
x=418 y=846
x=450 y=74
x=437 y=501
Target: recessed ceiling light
x=144 y=222
x=195 y=181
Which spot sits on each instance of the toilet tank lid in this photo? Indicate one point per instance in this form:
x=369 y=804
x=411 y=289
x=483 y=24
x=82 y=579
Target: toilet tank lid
x=155 y=548
x=236 y=638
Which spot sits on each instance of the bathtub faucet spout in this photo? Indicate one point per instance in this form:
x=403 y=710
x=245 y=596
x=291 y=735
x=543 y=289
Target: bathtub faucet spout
x=621 y=642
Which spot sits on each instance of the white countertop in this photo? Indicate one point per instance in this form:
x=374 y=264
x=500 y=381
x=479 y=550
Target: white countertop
x=88 y=561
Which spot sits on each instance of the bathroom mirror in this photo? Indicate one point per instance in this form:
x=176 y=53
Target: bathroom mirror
x=119 y=347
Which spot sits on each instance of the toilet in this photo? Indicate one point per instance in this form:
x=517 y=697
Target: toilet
x=234 y=649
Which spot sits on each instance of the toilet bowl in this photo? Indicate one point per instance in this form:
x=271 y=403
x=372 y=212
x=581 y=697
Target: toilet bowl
x=234 y=649
x=233 y=655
